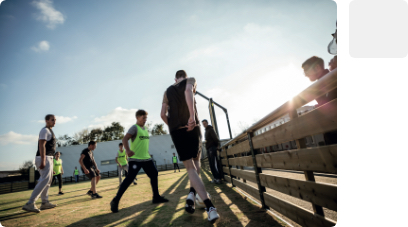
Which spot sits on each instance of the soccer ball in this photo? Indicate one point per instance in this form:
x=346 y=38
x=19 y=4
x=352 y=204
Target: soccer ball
x=199 y=203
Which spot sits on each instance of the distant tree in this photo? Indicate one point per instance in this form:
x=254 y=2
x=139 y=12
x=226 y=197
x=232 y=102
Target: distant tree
x=25 y=167
x=113 y=132
x=96 y=134
x=158 y=129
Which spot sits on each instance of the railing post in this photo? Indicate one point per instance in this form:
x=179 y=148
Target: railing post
x=261 y=188
x=108 y=174
x=228 y=166
x=301 y=143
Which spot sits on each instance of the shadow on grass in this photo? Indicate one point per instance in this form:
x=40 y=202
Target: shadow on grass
x=81 y=199
x=146 y=209
x=256 y=215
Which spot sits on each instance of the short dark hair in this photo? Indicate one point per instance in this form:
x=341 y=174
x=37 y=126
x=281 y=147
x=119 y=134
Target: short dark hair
x=181 y=74
x=205 y=120
x=91 y=143
x=312 y=62
x=121 y=144
x=48 y=116
x=141 y=113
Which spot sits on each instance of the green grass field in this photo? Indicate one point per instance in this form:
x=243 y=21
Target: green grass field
x=136 y=208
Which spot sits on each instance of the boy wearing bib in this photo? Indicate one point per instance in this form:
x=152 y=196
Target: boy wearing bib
x=122 y=161
x=139 y=157
x=76 y=174
x=58 y=171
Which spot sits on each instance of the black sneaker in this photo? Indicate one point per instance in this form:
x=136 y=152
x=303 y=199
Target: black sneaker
x=160 y=199
x=60 y=193
x=89 y=193
x=96 y=196
x=114 y=205
x=134 y=182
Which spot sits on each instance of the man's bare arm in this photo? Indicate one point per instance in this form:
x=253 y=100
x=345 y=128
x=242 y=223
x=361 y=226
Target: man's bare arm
x=164 y=113
x=125 y=142
x=42 y=152
x=188 y=93
x=82 y=164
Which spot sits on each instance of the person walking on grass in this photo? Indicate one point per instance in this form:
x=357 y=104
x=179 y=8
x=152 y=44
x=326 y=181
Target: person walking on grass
x=58 y=171
x=47 y=144
x=90 y=169
x=122 y=161
x=179 y=112
x=76 y=174
x=138 y=153
x=175 y=162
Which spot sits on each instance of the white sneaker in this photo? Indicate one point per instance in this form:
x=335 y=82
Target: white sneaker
x=190 y=203
x=31 y=208
x=47 y=205
x=212 y=214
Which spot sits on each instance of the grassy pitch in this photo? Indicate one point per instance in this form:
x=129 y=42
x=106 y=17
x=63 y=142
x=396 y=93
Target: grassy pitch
x=135 y=208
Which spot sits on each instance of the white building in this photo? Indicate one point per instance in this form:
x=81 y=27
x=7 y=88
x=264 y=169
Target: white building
x=161 y=148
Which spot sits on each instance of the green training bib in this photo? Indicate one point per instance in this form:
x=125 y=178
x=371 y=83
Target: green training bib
x=76 y=172
x=174 y=159
x=57 y=166
x=141 y=144
x=122 y=158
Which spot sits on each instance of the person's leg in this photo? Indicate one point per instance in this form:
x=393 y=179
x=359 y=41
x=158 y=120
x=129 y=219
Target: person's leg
x=151 y=172
x=126 y=168
x=212 y=159
x=93 y=185
x=178 y=167
x=195 y=180
x=59 y=182
x=41 y=182
x=120 y=174
x=174 y=167
x=134 y=168
x=50 y=164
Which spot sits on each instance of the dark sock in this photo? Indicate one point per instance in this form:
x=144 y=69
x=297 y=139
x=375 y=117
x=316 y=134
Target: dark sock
x=193 y=190
x=208 y=204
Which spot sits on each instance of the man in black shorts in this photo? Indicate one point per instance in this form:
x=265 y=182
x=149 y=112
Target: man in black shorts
x=184 y=127
x=90 y=169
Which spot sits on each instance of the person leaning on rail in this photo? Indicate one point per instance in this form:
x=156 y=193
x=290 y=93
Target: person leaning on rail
x=314 y=69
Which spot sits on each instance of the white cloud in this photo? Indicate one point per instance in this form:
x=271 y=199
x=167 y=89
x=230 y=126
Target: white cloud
x=42 y=46
x=15 y=138
x=126 y=117
x=1 y=1
x=48 y=13
x=61 y=119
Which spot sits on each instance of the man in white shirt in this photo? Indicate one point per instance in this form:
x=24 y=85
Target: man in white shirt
x=47 y=144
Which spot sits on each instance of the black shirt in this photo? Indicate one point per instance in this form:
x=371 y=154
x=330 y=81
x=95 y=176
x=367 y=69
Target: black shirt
x=178 y=109
x=50 y=146
x=89 y=159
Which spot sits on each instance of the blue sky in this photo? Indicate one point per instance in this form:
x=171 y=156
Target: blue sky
x=94 y=62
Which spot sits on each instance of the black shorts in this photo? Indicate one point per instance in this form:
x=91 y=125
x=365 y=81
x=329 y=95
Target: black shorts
x=188 y=144
x=92 y=173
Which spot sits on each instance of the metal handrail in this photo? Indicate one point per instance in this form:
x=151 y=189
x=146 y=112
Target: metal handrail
x=325 y=84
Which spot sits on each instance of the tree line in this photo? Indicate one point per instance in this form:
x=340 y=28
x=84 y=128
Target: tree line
x=115 y=131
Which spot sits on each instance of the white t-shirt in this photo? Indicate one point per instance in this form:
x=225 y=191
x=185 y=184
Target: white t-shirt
x=45 y=134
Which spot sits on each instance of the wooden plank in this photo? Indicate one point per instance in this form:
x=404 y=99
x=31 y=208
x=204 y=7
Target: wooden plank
x=247 y=188
x=317 y=159
x=239 y=148
x=227 y=178
x=224 y=153
x=244 y=174
x=321 y=194
x=318 y=121
x=241 y=161
x=226 y=170
x=224 y=162
x=296 y=213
